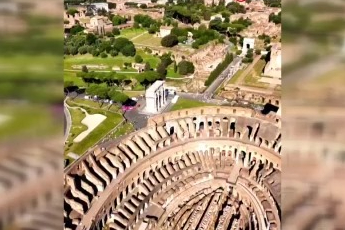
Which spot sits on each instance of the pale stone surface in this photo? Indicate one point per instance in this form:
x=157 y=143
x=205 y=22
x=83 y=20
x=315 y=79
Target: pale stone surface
x=91 y=121
x=273 y=67
x=155 y=97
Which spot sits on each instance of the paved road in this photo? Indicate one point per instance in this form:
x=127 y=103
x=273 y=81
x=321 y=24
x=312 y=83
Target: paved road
x=67 y=123
x=209 y=92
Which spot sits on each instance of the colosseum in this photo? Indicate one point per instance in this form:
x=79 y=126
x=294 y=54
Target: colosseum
x=202 y=168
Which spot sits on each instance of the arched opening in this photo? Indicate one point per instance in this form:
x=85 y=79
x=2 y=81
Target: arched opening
x=217 y=124
x=201 y=126
x=250 y=130
x=171 y=132
x=209 y=123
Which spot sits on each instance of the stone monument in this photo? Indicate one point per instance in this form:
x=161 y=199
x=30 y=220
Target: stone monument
x=156 y=98
x=248 y=43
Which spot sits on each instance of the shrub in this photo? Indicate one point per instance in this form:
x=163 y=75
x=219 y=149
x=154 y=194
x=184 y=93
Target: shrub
x=104 y=55
x=116 y=31
x=113 y=53
x=128 y=50
x=95 y=53
x=169 y=40
x=219 y=69
x=138 y=59
x=185 y=67
x=109 y=34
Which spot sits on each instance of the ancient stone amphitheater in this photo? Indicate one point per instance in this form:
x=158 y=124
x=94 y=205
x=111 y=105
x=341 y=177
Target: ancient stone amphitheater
x=204 y=168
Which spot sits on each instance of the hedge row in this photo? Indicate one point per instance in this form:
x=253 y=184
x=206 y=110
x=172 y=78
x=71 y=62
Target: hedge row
x=219 y=69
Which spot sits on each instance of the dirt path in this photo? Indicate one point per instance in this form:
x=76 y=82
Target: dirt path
x=139 y=35
x=247 y=71
x=91 y=121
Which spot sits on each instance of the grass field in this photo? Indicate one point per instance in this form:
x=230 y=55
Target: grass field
x=252 y=79
x=110 y=62
x=133 y=93
x=171 y=73
x=32 y=120
x=77 y=115
x=112 y=120
x=148 y=40
x=72 y=76
x=130 y=33
x=183 y=103
x=122 y=130
x=234 y=78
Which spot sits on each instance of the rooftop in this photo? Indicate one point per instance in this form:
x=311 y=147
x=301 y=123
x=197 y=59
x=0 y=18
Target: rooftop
x=152 y=89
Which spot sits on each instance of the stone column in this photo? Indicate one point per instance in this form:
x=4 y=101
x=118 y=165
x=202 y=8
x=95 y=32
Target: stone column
x=156 y=102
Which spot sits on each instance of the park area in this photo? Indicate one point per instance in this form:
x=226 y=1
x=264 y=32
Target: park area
x=253 y=77
x=79 y=110
x=107 y=64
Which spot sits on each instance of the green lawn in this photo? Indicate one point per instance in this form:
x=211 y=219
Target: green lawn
x=109 y=62
x=77 y=115
x=96 y=105
x=171 y=72
x=133 y=93
x=234 y=78
x=183 y=103
x=147 y=39
x=28 y=120
x=253 y=77
x=72 y=76
x=98 y=133
x=123 y=130
x=130 y=33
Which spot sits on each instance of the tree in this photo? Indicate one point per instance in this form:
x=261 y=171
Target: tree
x=82 y=50
x=95 y=53
x=117 y=96
x=68 y=84
x=182 y=39
x=186 y=67
x=143 y=6
x=109 y=34
x=138 y=59
x=154 y=1
x=90 y=39
x=104 y=55
x=175 y=67
x=120 y=43
x=84 y=69
x=169 y=40
x=72 y=11
x=116 y=31
x=101 y=91
x=161 y=70
x=118 y=20
x=76 y=29
x=113 y=53
x=257 y=52
x=207 y=15
x=128 y=50
x=147 y=66
x=73 y=50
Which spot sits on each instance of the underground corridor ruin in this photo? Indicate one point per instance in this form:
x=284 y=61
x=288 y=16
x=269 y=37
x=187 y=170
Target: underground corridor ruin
x=201 y=168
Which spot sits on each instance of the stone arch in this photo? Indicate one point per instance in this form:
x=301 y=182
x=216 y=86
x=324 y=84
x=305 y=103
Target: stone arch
x=201 y=126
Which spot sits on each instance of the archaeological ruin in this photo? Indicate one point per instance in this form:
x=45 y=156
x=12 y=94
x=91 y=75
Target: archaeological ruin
x=201 y=168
